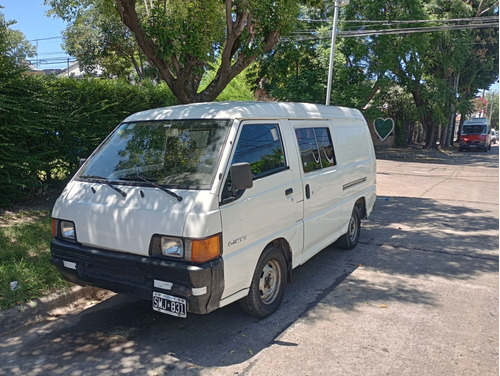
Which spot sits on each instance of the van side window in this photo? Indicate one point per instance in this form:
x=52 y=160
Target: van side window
x=261 y=146
x=316 y=148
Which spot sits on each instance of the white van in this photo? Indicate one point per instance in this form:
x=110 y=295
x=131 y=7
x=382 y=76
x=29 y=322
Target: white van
x=197 y=206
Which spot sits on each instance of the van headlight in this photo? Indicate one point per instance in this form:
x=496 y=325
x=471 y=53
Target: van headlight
x=171 y=247
x=166 y=246
x=191 y=250
x=63 y=229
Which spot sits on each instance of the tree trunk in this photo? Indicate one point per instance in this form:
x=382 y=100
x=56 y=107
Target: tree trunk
x=431 y=131
x=459 y=132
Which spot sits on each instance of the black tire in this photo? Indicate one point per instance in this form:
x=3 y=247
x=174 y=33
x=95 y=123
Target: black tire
x=350 y=239
x=268 y=284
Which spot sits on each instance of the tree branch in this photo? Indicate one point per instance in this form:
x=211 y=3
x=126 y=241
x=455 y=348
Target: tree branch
x=128 y=15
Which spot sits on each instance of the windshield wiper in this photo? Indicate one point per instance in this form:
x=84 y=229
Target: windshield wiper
x=138 y=176
x=103 y=180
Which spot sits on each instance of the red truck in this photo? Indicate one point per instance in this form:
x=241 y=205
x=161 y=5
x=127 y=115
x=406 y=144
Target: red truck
x=475 y=135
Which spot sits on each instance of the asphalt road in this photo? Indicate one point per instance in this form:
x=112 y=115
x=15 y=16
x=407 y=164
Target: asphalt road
x=418 y=296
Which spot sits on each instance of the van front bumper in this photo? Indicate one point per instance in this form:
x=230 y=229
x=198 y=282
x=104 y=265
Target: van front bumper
x=472 y=146
x=201 y=284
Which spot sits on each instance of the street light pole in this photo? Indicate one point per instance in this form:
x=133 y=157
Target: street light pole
x=338 y=3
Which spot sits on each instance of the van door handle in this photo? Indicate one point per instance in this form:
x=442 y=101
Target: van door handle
x=308 y=191
x=288 y=192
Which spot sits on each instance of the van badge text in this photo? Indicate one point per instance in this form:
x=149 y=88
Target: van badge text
x=236 y=241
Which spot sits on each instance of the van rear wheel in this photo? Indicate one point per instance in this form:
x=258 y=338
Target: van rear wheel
x=268 y=284
x=350 y=239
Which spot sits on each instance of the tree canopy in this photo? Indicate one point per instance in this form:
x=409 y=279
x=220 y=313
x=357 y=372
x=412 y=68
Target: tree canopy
x=438 y=70
x=14 y=48
x=183 y=39
x=198 y=46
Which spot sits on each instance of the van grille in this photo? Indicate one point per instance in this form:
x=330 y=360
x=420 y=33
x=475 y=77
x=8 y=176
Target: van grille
x=110 y=274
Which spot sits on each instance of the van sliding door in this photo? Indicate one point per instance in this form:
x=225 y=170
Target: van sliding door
x=322 y=185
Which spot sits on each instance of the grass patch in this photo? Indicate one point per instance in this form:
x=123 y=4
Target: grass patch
x=24 y=257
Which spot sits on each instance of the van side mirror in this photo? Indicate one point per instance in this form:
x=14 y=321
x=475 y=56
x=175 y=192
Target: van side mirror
x=241 y=177
x=82 y=161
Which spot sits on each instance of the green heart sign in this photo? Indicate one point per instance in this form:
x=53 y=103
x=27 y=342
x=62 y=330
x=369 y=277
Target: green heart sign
x=383 y=127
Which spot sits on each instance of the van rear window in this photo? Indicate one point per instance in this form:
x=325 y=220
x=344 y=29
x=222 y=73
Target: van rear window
x=316 y=148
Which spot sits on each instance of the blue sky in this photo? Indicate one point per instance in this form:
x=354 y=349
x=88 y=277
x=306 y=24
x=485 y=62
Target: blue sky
x=41 y=30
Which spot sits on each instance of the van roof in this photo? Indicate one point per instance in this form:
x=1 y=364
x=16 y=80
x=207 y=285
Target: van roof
x=476 y=121
x=246 y=110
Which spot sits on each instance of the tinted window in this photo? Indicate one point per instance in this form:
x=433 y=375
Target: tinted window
x=261 y=146
x=316 y=148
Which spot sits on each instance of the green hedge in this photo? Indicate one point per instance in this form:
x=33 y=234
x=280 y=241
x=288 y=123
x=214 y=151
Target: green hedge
x=47 y=124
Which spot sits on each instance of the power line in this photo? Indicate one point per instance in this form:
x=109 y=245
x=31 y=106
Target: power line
x=425 y=29
x=312 y=35
x=388 y=22
x=40 y=39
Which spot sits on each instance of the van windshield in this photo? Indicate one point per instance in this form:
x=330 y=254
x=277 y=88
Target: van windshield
x=177 y=154
x=473 y=129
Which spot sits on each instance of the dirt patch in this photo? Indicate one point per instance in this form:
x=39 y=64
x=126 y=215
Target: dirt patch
x=40 y=202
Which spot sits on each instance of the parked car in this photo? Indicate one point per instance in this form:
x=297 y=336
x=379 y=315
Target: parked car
x=494 y=136
x=198 y=206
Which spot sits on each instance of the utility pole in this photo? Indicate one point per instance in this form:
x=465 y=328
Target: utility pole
x=338 y=4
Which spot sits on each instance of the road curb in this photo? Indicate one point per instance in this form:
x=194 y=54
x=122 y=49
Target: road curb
x=38 y=310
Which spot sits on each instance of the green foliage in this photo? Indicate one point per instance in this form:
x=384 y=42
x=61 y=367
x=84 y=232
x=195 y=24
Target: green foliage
x=24 y=241
x=181 y=39
x=47 y=124
x=237 y=90
x=294 y=72
x=99 y=40
x=424 y=67
x=187 y=29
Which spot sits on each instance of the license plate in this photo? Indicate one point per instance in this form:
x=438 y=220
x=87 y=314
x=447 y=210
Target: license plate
x=171 y=305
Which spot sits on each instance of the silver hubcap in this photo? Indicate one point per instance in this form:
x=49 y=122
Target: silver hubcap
x=270 y=282
x=353 y=228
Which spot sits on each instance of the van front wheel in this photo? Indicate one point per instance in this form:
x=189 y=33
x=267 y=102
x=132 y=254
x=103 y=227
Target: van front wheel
x=350 y=239
x=268 y=284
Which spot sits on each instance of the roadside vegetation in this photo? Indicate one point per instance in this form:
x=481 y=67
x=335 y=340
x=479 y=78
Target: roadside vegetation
x=25 y=270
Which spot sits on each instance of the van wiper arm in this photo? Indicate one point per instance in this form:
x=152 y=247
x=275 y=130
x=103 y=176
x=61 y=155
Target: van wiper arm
x=154 y=184
x=103 y=180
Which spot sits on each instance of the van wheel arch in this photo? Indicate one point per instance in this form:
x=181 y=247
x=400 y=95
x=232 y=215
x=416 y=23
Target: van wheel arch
x=350 y=239
x=361 y=204
x=284 y=246
x=268 y=283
